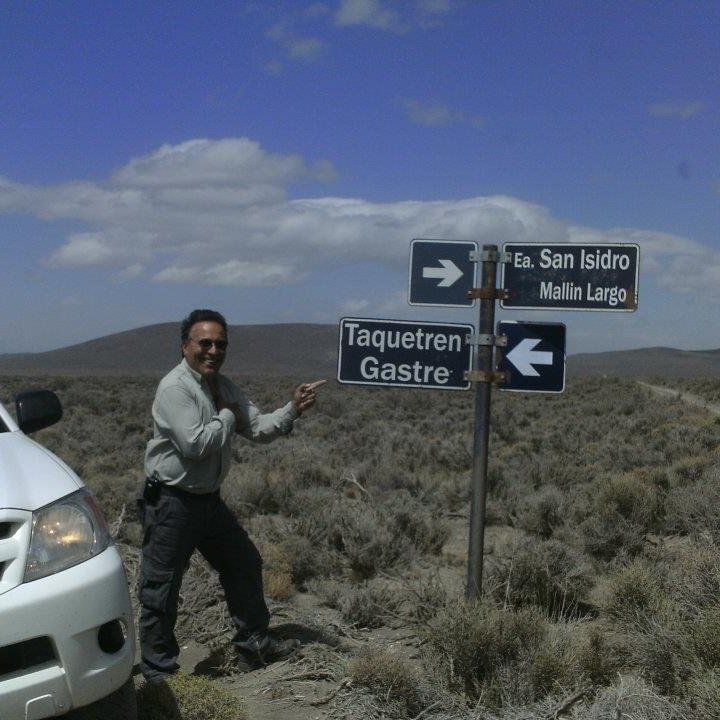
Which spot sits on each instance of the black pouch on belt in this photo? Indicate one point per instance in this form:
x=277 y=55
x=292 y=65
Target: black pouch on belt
x=151 y=492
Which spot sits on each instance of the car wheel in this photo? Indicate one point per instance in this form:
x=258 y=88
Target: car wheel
x=119 y=705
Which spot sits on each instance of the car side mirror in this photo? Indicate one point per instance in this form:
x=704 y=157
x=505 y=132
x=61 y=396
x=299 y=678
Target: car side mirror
x=37 y=409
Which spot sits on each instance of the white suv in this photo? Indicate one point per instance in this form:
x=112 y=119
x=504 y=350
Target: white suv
x=66 y=628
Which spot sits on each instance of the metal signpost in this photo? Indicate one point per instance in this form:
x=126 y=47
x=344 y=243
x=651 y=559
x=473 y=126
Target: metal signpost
x=427 y=355
x=572 y=277
x=404 y=354
x=441 y=273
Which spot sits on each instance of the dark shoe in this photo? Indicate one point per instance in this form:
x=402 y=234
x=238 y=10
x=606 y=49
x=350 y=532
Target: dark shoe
x=259 y=651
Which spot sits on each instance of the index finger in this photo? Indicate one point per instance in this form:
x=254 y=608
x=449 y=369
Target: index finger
x=316 y=384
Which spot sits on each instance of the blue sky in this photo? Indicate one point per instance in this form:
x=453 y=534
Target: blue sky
x=275 y=159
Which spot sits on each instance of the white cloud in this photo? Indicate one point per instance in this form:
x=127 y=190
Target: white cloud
x=392 y=16
x=231 y=162
x=372 y=13
x=683 y=111
x=218 y=213
x=438 y=115
x=131 y=272
x=298 y=47
x=308 y=49
x=232 y=272
x=273 y=67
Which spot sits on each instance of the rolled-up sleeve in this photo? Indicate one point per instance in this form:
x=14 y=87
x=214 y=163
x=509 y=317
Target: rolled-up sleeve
x=178 y=417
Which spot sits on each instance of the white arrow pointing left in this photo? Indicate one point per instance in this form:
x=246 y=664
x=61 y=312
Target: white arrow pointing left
x=523 y=356
x=449 y=273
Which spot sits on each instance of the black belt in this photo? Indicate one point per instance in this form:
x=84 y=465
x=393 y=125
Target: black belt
x=154 y=487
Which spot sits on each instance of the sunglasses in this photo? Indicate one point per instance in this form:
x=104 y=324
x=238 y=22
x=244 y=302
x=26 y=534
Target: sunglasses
x=206 y=343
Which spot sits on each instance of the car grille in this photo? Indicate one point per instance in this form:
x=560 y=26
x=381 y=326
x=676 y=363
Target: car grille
x=25 y=655
x=15 y=529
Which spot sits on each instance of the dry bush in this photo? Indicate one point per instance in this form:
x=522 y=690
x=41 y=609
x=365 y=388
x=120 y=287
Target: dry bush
x=423 y=598
x=545 y=573
x=472 y=642
x=631 y=699
x=632 y=592
x=393 y=681
x=367 y=604
x=187 y=697
x=277 y=572
x=542 y=511
x=620 y=511
x=703 y=692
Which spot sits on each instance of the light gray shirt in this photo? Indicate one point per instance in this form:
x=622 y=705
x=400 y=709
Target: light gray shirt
x=191 y=446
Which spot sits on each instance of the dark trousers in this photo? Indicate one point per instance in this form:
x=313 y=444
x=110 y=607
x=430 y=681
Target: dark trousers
x=176 y=523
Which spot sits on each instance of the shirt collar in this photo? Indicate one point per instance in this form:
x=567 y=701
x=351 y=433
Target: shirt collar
x=198 y=377
x=193 y=372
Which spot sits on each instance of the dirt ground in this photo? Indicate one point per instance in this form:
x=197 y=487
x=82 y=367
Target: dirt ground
x=689 y=398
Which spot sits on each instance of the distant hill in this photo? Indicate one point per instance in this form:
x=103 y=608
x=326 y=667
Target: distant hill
x=647 y=362
x=305 y=350
x=288 y=349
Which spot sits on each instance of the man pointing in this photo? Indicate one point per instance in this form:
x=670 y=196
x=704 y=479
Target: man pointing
x=196 y=412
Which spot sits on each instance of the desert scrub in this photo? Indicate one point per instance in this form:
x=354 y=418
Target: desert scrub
x=393 y=681
x=542 y=511
x=632 y=593
x=370 y=535
x=703 y=693
x=367 y=604
x=693 y=509
x=633 y=698
x=620 y=510
x=473 y=642
x=544 y=573
x=187 y=697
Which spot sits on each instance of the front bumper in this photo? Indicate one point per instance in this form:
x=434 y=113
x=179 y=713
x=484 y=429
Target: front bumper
x=66 y=640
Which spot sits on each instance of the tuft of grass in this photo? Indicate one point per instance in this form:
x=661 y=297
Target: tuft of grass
x=634 y=698
x=545 y=573
x=392 y=680
x=472 y=642
x=367 y=604
x=277 y=572
x=541 y=512
x=632 y=592
x=703 y=691
x=187 y=697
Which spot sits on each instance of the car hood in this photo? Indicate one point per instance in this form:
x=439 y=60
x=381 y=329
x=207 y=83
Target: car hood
x=30 y=475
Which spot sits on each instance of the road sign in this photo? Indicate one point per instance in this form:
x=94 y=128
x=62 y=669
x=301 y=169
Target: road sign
x=441 y=273
x=572 y=277
x=404 y=354
x=534 y=356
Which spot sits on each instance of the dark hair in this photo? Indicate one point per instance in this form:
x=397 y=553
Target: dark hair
x=200 y=315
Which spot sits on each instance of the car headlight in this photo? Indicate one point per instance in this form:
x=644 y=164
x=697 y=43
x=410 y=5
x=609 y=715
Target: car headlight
x=65 y=533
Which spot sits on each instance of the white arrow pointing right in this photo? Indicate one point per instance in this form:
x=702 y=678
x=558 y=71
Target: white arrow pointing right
x=449 y=273
x=523 y=357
